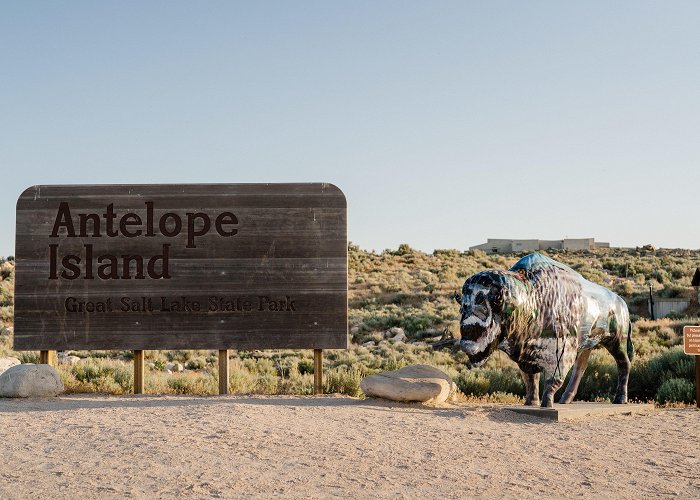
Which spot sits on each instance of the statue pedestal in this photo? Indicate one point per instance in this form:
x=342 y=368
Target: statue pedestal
x=581 y=410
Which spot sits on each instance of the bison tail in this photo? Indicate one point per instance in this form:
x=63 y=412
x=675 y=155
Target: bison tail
x=630 y=346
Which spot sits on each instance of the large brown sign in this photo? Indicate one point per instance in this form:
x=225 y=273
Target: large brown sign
x=197 y=266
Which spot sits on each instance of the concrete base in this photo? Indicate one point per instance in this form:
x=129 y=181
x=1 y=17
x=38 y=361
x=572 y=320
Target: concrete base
x=577 y=411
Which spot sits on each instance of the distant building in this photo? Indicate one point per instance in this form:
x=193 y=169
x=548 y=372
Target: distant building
x=494 y=245
x=660 y=307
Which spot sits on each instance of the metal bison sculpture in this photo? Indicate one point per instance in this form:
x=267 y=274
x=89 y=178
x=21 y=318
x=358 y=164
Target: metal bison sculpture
x=547 y=318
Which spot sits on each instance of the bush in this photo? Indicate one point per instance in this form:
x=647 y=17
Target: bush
x=305 y=366
x=192 y=384
x=506 y=380
x=343 y=380
x=599 y=381
x=196 y=363
x=676 y=390
x=490 y=381
x=89 y=373
x=472 y=383
x=647 y=377
x=29 y=357
x=266 y=383
x=124 y=377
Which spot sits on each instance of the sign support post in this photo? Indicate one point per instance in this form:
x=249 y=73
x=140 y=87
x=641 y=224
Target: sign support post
x=223 y=372
x=138 y=372
x=47 y=358
x=318 y=371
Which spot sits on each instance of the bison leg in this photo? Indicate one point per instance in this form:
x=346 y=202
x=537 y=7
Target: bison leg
x=559 y=356
x=551 y=386
x=532 y=388
x=623 y=369
x=576 y=374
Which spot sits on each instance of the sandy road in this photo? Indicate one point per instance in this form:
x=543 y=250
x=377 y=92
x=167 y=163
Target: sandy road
x=81 y=446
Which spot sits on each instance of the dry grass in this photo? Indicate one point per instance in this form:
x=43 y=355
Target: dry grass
x=402 y=288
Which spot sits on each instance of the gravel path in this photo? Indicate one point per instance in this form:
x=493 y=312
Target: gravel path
x=81 y=446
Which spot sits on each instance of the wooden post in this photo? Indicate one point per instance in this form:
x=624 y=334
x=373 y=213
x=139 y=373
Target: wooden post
x=47 y=358
x=318 y=371
x=138 y=372
x=223 y=371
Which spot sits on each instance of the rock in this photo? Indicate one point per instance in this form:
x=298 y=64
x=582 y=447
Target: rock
x=355 y=330
x=8 y=362
x=369 y=343
x=30 y=381
x=412 y=383
x=174 y=367
x=70 y=360
x=399 y=337
x=395 y=334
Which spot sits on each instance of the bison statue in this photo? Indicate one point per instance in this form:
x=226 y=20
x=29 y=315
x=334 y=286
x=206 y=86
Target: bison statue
x=547 y=318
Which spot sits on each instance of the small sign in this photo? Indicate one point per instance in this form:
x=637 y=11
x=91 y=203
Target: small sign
x=691 y=340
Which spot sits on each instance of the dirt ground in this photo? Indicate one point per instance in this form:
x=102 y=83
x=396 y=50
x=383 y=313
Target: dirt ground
x=81 y=446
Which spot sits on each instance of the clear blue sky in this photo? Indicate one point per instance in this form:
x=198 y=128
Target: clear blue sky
x=444 y=122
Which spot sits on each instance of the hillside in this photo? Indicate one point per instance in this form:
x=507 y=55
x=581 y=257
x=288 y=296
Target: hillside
x=413 y=291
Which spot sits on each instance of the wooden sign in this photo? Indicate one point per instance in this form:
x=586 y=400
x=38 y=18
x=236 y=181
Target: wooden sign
x=691 y=340
x=197 y=266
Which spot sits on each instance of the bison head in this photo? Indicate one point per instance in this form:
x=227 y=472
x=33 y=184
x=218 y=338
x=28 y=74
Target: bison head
x=480 y=315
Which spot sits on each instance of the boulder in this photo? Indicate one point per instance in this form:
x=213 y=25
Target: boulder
x=394 y=331
x=422 y=383
x=174 y=367
x=30 y=381
x=69 y=360
x=8 y=362
x=399 y=337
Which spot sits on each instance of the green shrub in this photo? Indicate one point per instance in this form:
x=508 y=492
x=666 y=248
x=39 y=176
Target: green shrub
x=90 y=373
x=192 y=384
x=506 y=380
x=647 y=376
x=124 y=377
x=196 y=364
x=343 y=380
x=481 y=382
x=296 y=384
x=29 y=357
x=393 y=363
x=676 y=390
x=472 y=383
x=240 y=381
x=305 y=366
x=599 y=381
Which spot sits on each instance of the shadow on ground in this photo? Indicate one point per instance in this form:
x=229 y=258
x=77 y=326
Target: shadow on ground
x=71 y=402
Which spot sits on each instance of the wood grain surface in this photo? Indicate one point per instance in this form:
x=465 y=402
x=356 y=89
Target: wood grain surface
x=279 y=282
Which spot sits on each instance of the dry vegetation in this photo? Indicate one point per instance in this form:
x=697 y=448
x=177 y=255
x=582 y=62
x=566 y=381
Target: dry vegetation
x=413 y=290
